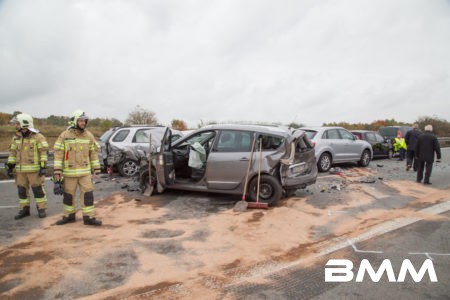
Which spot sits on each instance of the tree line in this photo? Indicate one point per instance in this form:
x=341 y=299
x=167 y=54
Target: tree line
x=142 y=116
x=53 y=120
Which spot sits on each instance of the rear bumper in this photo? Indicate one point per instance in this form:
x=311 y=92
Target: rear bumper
x=302 y=181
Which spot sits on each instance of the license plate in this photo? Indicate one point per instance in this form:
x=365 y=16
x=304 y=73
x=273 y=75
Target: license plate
x=299 y=168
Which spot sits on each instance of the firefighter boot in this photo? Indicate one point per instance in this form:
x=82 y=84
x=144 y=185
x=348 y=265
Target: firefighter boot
x=41 y=213
x=24 y=212
x=65 y=220
x=91 y=221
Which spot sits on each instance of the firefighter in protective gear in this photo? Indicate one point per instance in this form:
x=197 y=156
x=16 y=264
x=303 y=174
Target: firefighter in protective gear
x=76 y=159
x=28 y=156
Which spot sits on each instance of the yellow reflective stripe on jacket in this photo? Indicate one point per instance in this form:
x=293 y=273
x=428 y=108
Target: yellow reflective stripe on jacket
x=58 y=146
x=94 y=146
x=95 y=164
x=27 y=168
x=77 y=140
x=12 y=160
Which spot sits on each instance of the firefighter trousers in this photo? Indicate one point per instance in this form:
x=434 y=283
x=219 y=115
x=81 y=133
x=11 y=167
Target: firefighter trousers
x=25 y=180
x=86 y=195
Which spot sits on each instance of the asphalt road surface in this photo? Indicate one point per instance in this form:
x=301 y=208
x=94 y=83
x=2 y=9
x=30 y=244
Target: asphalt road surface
x=414 y=238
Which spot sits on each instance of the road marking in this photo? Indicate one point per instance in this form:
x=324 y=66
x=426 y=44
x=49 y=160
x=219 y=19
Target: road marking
x=330 y=212
x=362 y=251
x=9 y=206
x=340 y=243
x=12 y=180
x=428 y=254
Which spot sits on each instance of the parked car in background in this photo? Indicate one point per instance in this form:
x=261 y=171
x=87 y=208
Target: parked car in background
x=337 y=145
x=215 y=158
x=390 y=132
x=117 y=146
x=381 y=147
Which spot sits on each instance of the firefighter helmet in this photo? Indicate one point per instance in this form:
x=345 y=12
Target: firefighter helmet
x=25 y=121
x=77 y=115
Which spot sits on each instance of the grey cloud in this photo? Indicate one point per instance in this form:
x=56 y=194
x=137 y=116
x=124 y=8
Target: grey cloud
x=227 y=60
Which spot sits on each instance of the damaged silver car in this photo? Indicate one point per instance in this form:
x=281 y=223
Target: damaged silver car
x=120 y=146
x=215 y=158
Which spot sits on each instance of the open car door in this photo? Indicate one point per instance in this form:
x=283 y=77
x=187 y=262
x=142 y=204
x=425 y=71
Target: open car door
x=165 y=172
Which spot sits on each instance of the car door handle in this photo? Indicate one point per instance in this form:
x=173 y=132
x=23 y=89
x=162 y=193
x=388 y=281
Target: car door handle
x=244 y=159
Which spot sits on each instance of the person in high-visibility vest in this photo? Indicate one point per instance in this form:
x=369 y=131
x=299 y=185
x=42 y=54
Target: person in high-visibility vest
x=28 y=156
x=76 y=159
x=400 y=146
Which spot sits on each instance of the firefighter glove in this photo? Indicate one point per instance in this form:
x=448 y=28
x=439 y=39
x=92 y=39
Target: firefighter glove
x=42 y=171
x=9 y=170
x=58 y=188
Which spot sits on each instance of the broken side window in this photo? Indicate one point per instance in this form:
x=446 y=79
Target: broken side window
x=269 y=142
x=234 y=141
x=121 y=135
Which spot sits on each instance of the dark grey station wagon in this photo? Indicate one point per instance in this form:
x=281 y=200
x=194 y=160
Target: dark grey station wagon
x=215 y=158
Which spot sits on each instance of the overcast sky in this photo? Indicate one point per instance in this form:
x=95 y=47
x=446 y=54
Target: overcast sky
x=262 y=61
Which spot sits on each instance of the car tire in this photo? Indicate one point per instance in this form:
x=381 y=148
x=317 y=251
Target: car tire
x=365 y=158
x=270 y=190
x=144 y=181
x=128 y=168
x=324 y=163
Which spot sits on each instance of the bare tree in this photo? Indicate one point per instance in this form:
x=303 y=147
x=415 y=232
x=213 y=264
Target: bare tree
x=141 y=116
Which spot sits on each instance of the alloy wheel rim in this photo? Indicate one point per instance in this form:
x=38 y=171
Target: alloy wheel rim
x=130 y=168
x=325 y=162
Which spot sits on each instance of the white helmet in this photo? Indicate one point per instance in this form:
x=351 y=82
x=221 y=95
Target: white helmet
x=25 y=120
x=77 y=115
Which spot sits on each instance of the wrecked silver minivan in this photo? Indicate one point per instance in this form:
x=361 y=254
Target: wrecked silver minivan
x=216 y=158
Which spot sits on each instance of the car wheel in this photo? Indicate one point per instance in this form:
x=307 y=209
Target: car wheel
x=390 y=153
x=365 y=158
x=324 y=163
x=128 y=168
x=270 y=189
x=143 y=184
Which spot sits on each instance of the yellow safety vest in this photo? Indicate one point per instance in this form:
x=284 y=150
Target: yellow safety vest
x=399 y=144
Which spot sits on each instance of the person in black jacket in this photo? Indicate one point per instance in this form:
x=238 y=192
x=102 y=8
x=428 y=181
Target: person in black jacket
x=427 y=145
x=411 y=142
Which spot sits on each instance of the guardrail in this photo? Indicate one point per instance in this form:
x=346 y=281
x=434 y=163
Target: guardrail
x=4 y=159
x=444 y=141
